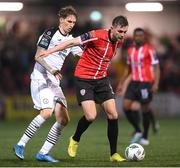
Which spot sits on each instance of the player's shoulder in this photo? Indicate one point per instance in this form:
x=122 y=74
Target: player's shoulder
x=149 y=46
x=101 y=31
x=46 y=37
x=95 y=33
x=50 y=31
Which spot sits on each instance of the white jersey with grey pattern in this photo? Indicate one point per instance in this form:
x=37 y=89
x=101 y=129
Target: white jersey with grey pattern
x=49 y=39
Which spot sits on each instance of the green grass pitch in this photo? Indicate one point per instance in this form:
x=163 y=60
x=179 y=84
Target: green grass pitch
x=93 y=151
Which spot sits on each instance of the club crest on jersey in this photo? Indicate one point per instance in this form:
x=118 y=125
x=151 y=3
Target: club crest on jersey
x=92 y=34
x=83 y=92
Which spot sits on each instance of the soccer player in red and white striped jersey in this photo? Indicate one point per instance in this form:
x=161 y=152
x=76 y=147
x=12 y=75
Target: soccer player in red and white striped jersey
x=142 y=59
x=92 y=84
x=143 y=66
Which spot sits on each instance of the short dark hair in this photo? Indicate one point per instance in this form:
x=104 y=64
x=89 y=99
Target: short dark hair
x=138 y=29
x=66 y=11
x=120 y=20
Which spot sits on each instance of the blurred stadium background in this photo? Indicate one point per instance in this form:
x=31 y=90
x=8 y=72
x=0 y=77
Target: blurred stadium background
x=19 y=31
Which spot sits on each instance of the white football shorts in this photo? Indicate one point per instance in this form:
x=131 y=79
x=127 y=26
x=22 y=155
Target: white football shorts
x=45 y=94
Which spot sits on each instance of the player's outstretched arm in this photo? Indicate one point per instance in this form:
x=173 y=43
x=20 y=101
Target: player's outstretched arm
x=60 y=47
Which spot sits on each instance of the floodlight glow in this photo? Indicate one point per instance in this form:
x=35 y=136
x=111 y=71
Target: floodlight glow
x=144 y=7
x=11 y=6
x=95 y=16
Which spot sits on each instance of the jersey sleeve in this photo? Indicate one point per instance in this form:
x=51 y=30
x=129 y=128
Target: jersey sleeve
x=45 y=38
x=87 y=37
x=153 y=56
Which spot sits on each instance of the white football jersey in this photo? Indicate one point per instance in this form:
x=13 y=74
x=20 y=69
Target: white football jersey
x=49 y=39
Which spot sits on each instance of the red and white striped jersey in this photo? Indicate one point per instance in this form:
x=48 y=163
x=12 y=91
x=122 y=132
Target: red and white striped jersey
x=141 y=61
x=98 y=52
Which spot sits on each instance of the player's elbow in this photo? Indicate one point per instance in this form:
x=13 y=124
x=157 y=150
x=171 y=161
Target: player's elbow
x=37 y=59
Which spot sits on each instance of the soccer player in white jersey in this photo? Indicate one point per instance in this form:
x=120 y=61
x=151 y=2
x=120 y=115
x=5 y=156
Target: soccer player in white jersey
x=46 y=92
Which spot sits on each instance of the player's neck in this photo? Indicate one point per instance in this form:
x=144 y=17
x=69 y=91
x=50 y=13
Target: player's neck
x=110 y=36
x=138 y=45
x=61 y=30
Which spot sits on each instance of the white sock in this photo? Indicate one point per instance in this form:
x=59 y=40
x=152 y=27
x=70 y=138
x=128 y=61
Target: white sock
x=31 y=130
x=52 y=138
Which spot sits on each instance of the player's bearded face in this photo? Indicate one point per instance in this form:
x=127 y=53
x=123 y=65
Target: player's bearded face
x=68 y=23
x=119 y=32
x=139 y=38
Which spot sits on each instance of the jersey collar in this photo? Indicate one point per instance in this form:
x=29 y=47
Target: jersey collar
x=62 y=33
x=109 y=36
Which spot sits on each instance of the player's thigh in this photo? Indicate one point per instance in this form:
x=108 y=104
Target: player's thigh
x=135 y=106
x=60 y=104
x=103 y=91
x=145 y=94
x=42 y=95
x=109 y=108
x=46 y=113
x=130 y=96
x=127 y=104
x=89 y=109
x=84 y=90
x=59 y=96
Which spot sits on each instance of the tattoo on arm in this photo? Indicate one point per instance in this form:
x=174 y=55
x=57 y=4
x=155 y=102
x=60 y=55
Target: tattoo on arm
x=43 y=62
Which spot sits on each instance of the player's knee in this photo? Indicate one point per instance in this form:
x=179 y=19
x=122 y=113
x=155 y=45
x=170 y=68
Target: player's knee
x=62 y=116
x=91 y=117
x=65 y=120
x=125 y=108
x=126 y=105
x=135 y=106
x=46 y=113
x=113 y=116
